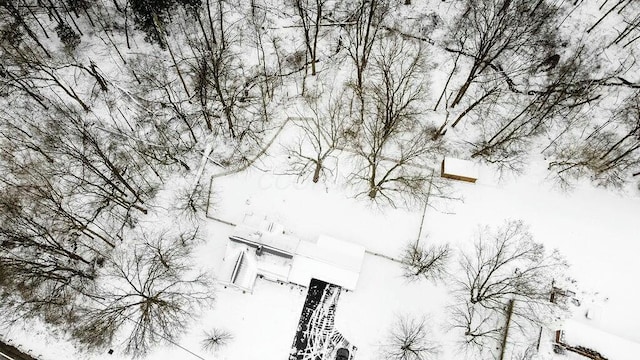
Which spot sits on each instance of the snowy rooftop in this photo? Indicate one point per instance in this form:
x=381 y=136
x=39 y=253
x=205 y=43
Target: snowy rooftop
x=579 y=333
x=331 y=260
x=459 y=169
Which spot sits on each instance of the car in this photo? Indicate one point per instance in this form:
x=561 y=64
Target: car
x=342 y=354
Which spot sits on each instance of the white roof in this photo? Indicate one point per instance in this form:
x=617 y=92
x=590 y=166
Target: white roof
x=459 y=167
x=331 y=260
x=577 y=332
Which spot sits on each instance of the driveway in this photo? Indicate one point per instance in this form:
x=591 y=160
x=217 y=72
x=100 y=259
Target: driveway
x=316 y=336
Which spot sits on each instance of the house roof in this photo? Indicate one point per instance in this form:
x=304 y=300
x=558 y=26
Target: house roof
x=578 y=332
x=458 y=167
x=329 y=259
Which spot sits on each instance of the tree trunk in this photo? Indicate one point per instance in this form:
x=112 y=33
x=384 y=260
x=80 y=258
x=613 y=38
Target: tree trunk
x=446 y=84
x=316 y=172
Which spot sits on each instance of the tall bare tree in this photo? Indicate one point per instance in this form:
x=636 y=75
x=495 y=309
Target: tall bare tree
x=310 y=14
x=494 y=33
x=553 y=99
x=505 y=283
x=607 y=153
x=322 y=134
x=393 y=145
x=147 y=295
x=367 y=19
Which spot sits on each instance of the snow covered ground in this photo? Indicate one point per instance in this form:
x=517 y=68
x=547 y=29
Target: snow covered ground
x=595 y=229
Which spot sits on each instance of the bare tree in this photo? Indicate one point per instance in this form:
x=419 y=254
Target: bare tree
x=480 y=329
x=493 y=33
x=393 y=145
x=553 y=101
x=322 y=134
x=365 y=20
x=234 y=97
x=505 y=283
x=216 y=339
x=608 y=154
x=147 y=296
x=507 y=262
x=410 y=338
x=310 y=16
x=428 y=262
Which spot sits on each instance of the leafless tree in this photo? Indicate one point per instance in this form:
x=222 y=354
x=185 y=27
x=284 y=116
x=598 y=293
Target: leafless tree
x=480 y=329
x=217 y=77
x=310 y=14
x=364 y=19
x=12 y=10
x=410 y=338
x=609 y=153
x=507 y=262
x=425 y=262
x=552 y=101
x=322 y=134
x=497 y=33
x=191 y=202
x=624 y=4
x=235 y=96
x=393 y=145
x=505 y=283
x=147 y=296
x=216 y=339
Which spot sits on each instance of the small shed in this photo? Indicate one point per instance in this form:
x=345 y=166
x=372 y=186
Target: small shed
x=457 y=169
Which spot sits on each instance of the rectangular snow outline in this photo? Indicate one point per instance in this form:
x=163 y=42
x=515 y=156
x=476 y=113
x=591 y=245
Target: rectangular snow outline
x=458 y=169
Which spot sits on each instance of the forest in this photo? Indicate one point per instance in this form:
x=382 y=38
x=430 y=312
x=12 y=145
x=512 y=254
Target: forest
x=114 y=114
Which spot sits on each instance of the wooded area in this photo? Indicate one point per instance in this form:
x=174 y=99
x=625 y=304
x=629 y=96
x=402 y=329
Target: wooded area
x=102 y=104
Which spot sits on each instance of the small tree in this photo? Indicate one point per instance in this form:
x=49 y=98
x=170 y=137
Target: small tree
x=215 y=339
x=410 y=339
x=428 y=262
